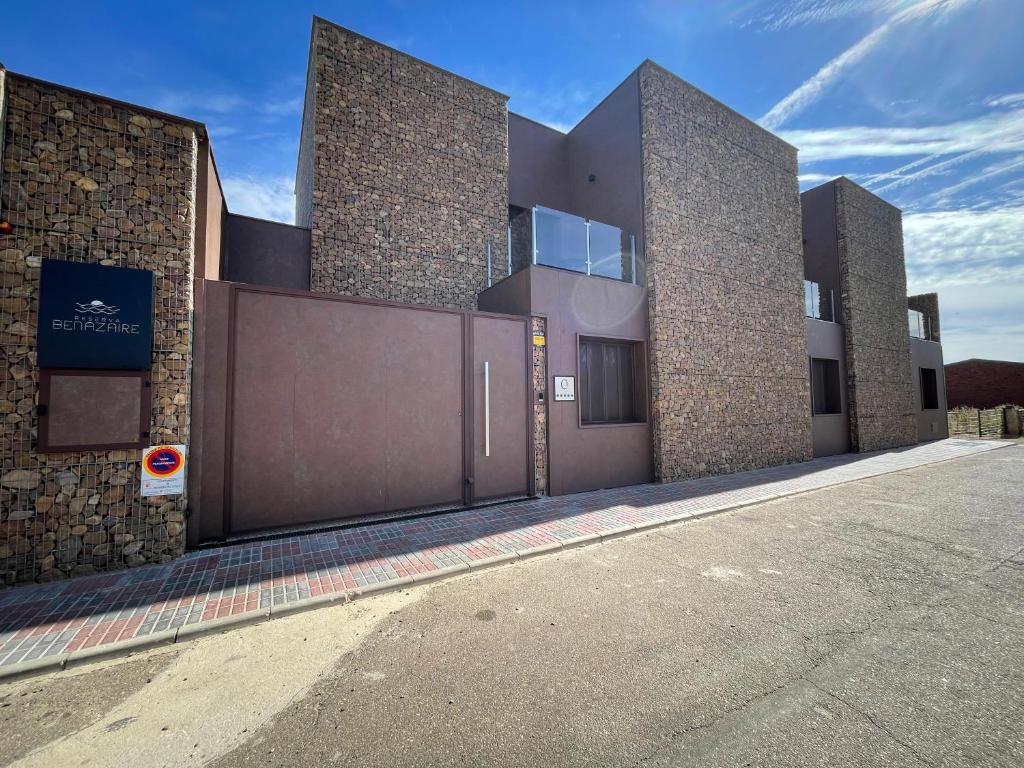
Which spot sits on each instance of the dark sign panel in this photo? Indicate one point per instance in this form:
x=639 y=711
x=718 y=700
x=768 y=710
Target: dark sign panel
x=94 y=316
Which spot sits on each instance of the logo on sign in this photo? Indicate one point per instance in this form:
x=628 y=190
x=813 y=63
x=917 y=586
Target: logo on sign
x=95 y=324
x=164 y=461
x=96 y=307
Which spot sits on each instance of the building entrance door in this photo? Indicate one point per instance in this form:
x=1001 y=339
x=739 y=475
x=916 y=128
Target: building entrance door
x=501 y=408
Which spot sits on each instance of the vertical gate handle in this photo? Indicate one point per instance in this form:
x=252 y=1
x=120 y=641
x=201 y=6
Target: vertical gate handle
x=487 y=409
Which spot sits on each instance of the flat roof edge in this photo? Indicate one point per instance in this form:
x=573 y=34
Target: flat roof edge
x=115 y=102
x=670 y=73
x=425 y=63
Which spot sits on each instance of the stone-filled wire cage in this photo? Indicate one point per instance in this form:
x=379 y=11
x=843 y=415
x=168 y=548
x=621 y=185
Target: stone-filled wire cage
x=89 y=180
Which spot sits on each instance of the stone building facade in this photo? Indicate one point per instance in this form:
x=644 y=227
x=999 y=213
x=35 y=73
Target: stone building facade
x=729 y=380
x=404 y=180
x=402 y=174
x=90 y=180
x=873 y=286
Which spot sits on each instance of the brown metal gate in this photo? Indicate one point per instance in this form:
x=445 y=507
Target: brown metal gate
x=330 y=408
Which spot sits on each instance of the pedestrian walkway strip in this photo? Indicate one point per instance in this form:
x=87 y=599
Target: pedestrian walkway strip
x=50 y=625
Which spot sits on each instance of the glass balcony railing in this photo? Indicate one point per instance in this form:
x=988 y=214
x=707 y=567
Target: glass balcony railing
x=819 y=303
x=920 y=325
x=566 y=241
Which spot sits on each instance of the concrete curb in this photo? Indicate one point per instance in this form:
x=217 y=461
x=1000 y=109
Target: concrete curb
x=33 y=668
x=494 y=561
x=120 y=648
x=192 y=631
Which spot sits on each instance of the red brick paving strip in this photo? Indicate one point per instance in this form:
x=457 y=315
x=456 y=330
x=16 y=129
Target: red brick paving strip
x=52 y=620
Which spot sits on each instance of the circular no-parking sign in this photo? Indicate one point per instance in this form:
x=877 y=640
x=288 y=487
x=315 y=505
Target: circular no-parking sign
x=164 y=461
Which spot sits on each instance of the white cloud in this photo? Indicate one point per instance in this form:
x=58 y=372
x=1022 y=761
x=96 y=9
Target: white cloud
x=814 y=178
x=812 y=89
x=802 y=13
x=951 y=247
x=975 y=260
x=902 y=178
x=1009 y=100
x=186 y=102
x=981 y=319
x=286 y=107
x=263 y=197
x=221 y=131
x=946 y=195
x=993 y=132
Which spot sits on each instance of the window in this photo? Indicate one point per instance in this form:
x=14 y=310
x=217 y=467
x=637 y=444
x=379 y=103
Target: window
x=608 y=390
x=826 y=397
x=818 y=302
x=929 y=389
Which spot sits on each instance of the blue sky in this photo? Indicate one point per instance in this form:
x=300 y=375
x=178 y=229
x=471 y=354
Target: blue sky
x=921 y=101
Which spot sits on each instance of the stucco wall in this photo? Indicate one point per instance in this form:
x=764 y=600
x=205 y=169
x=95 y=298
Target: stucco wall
x=594 y=171
x=821 y=249
x=873 y=283
x=830 y=433
x=538 y=165
x=729 y=376
x=89 y=180
x=931 y=424
x=582 y=458
x=409 y=175
x=263 y=252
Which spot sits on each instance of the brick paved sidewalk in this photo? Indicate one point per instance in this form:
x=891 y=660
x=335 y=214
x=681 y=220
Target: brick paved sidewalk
x=59 y=622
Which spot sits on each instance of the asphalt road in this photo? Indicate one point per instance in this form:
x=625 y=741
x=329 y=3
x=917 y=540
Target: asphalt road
x=877 y=623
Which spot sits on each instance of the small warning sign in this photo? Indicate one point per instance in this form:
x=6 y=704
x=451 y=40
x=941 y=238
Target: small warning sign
x=538 y=340
x=163 y=470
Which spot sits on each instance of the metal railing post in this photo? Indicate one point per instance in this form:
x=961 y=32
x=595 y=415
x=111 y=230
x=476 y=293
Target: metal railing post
x=588 y=246
x=533 y=233
x=632 y=258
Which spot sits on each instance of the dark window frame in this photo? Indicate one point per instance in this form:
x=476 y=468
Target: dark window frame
x=638 y=380
x=833 y=401
x=930 y=390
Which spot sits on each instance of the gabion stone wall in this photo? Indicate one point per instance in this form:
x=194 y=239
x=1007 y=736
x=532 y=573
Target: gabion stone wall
x=873 y=282
x=963 y=422
x=540 y=408
x=90 y=181
x=729 y=373
x=407 y=174
x=990 y=423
